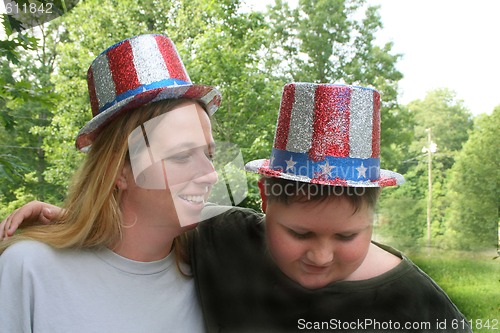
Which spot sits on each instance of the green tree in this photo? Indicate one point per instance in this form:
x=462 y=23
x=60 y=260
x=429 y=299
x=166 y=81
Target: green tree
x=25 y=98
x=472 y=220
x=10 y=91
x=449 y=123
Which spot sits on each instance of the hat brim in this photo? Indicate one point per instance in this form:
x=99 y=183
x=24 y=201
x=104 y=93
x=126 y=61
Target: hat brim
x=387 y=178
x=209 y=97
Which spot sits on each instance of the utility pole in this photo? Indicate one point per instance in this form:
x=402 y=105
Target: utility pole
x=430 y=149
x=429 y=199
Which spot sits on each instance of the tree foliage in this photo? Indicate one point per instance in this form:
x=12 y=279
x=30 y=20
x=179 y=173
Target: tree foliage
x=472 y=221
x=26 y=97
x=449 y=123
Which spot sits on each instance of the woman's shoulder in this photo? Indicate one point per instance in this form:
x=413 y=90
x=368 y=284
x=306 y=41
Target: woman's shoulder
x=37 y=253
x=28 y=248
x=25 y=256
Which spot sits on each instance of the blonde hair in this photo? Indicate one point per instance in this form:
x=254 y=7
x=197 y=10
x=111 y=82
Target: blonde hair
x=92 y=216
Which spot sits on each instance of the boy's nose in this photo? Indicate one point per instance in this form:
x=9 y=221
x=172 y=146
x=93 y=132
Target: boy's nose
x=320 y=255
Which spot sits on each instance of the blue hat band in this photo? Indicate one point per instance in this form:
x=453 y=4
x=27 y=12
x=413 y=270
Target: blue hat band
x=144 y=88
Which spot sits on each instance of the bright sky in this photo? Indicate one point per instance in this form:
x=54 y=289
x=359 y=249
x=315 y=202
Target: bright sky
x=446 y=44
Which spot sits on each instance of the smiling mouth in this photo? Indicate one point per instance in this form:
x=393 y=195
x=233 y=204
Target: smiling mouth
x=195 y=199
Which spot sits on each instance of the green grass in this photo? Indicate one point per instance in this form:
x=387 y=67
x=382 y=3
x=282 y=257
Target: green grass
x=471 y=280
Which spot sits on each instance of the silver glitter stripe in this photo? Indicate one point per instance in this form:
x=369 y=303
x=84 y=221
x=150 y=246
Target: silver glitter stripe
x=301 y=119
x=103 y=81
x=208 y=97
x=148 y=61
x=361 y=123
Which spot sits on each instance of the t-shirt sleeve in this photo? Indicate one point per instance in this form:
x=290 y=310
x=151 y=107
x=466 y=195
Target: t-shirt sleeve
x=15 y=285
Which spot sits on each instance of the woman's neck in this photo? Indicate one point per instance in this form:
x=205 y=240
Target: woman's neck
x=145 y=240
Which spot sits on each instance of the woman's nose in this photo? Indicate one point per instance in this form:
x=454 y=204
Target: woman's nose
x=207 y=173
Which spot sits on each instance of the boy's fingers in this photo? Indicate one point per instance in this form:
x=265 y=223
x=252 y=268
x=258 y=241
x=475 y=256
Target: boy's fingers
x=6 y=225
x=3 y=229
x=46 y=216
x=33 y=213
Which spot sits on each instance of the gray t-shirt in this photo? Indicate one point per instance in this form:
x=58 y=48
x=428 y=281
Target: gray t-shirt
x=44 y=290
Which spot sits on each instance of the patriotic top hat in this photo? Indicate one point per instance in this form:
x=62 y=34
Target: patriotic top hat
x=328 y=134
x=135 y=72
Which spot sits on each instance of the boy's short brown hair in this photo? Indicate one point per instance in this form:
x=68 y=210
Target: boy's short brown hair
x=289 y=191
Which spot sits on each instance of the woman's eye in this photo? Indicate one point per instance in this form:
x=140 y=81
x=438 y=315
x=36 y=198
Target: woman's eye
x=179 y=158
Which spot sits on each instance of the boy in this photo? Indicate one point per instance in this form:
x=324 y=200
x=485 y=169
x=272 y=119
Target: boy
x=310 y=264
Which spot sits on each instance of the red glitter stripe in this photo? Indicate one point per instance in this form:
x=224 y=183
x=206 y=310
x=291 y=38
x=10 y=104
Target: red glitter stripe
x=121 y=65
x=94 y=103
x=331 y=123
x=386 y=181
x=172 y=60
x=196 y=92
x=376 y=125
x=335 y=182
x=283 y=126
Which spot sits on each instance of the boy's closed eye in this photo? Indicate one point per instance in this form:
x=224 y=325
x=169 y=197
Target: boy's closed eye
x=300 y=235
x=346 y=237
x=306 y=235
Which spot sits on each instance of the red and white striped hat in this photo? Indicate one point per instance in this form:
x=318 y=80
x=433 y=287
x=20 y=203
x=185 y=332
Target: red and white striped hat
x=135 y=72
x=328 y=134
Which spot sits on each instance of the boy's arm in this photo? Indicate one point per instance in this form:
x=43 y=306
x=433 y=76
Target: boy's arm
x=33 y=213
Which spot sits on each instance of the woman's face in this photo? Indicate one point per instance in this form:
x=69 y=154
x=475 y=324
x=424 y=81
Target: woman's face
x=171 y=161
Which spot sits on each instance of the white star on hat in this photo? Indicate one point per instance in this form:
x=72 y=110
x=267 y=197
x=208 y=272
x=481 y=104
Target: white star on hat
x=290 y=164
x=327 y=169
x=361 y=170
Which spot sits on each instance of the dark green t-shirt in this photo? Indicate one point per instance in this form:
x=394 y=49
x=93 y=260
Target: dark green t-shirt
x=242 y=290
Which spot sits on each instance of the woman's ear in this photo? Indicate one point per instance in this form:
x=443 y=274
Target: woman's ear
x=121 y=179
x=262 y=191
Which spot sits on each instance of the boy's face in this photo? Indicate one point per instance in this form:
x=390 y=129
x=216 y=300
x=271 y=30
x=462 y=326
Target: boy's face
x=316 y=243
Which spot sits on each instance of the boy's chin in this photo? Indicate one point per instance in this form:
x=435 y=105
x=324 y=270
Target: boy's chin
x=312 y=282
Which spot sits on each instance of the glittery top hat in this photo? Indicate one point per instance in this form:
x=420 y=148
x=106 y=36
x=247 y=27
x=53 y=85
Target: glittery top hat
x=328 y=134
x=135 y=72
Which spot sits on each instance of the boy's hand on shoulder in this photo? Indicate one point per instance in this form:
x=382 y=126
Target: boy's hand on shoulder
x=32 y=213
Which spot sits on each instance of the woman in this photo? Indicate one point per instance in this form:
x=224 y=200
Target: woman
x=109 y=263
